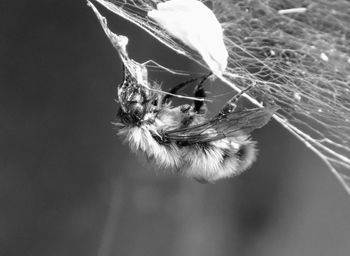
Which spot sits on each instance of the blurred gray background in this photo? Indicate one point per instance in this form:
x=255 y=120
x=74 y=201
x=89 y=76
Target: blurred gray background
x=69 y=186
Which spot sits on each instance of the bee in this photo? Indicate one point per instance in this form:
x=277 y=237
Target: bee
x=182 y=138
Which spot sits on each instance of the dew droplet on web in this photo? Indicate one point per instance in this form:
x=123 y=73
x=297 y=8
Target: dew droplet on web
x=324 y=57
x=297 y=96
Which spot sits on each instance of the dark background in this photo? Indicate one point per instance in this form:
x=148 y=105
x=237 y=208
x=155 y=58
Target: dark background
x=68 y=186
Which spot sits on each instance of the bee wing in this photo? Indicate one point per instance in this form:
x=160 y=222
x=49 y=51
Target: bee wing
x=245 y=120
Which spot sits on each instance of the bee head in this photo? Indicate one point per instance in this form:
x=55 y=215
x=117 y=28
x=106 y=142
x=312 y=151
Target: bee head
x=133 y=105
x=133 y=99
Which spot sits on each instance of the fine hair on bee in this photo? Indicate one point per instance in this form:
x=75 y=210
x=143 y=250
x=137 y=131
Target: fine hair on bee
x=182 y=138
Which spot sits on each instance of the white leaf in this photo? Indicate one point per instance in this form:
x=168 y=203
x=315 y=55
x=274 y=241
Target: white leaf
x=193 y=23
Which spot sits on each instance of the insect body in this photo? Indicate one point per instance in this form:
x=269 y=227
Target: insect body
x=182 y=138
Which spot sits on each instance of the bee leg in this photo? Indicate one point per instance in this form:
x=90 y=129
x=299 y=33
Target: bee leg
x=230 y=106
x=178 y=87
x=199 y=92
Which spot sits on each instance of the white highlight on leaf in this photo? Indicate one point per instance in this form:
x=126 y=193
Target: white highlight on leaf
x=193 y=23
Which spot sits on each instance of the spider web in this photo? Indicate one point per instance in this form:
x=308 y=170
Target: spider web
x=301 y=57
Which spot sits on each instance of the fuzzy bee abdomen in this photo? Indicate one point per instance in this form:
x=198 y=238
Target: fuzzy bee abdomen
x=205 y=162
x=219 y=159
